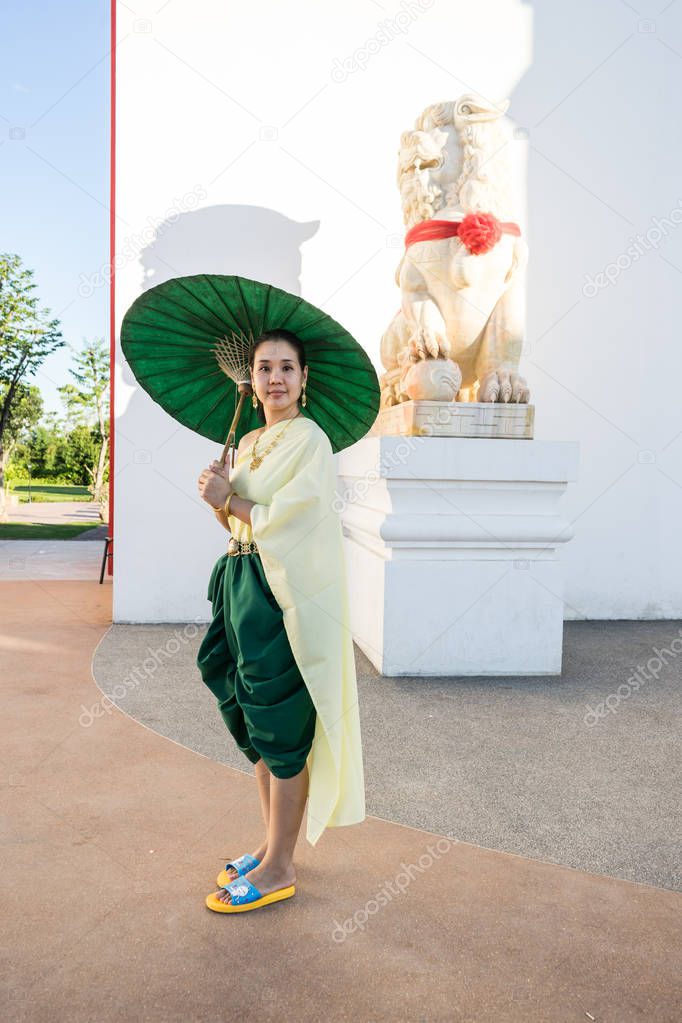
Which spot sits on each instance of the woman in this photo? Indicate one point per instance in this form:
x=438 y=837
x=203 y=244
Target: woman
x=278 y=654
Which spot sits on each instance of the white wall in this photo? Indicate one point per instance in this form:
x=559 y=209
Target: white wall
x=604 y=362
x=239 y=135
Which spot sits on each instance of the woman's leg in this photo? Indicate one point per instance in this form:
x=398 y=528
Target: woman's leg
x=287 y=803
x=263 y=781
x=280 y=719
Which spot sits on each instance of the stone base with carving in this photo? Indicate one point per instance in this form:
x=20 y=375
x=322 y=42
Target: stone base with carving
x=455 y=419
x=451 y=551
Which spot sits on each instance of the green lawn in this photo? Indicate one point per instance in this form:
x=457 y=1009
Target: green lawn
x=41 y=531
x=50 y=492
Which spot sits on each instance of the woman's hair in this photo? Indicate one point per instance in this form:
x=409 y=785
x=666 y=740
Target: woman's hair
x=276 y=335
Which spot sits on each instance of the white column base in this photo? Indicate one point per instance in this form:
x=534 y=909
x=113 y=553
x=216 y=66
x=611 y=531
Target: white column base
x=451 y=548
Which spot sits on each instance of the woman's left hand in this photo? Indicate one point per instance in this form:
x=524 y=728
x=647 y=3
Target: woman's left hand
x=214 y=485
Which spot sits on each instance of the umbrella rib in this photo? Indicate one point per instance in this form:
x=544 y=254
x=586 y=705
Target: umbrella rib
x=330 y=415
x=205 y=395
x=288 y=296
x=197 y=298
x=315 y=383
x=244 y=305
x=182 y=319
x=291 y=312
x=320 y=316
x=358 y=385
x=175 y=319
x=184 y=382
x=264 y=315
x=235 y=327
x=320 y=319
x=341 y=366
x=319 y=392
x=156 y=351
x=211 y=411
x=189 y=346
x=348 y=435
x=333 y=344
x=187 y=315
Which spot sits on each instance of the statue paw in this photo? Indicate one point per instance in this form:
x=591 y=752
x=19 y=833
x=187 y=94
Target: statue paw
x=427 y=344
x=503 y=385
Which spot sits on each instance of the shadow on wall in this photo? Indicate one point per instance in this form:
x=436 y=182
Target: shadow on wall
x=251 y=241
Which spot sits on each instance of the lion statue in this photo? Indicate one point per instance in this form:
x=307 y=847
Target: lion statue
x=458 y=334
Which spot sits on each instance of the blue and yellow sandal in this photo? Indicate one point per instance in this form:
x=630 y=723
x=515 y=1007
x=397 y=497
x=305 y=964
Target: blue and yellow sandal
x=243 y=864
x=246 y=896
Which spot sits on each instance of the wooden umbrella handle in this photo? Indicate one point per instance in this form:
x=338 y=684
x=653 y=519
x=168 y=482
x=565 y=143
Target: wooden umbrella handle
x=244 y=389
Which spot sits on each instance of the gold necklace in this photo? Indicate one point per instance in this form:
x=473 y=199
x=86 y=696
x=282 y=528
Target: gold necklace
x=256 y=458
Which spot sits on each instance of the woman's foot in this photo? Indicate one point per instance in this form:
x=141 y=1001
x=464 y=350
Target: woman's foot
x=258 y=854
x=266 y=877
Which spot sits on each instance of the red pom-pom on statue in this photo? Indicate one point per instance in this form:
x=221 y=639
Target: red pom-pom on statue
x=479 y=232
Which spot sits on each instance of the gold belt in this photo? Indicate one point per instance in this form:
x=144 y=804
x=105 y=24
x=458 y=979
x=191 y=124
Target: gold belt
x=235 y=546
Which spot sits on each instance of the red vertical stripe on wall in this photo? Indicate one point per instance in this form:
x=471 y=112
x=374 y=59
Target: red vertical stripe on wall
x=112 y=307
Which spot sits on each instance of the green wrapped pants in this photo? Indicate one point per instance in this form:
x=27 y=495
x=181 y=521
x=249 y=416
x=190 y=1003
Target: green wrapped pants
x=246 y=661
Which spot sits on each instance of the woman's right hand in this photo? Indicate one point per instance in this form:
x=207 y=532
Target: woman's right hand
x=214 y=486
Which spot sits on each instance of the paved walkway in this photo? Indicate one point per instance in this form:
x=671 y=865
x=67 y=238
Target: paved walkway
x=77 y=558
x=113 y=835
x=506 y=763
x=50 y=559
x=54 y=511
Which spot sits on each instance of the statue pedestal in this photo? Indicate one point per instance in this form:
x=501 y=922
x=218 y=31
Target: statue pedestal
x=423 y=418
x=451 y=550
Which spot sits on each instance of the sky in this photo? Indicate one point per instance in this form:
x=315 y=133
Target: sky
x=54 y=166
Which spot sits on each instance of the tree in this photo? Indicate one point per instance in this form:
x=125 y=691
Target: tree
x=27 y=337
x=87 y=403
x=56 y=453
x=45 y=448
x=24 y=413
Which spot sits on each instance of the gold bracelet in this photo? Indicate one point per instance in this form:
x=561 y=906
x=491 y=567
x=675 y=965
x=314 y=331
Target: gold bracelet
x=226 y=506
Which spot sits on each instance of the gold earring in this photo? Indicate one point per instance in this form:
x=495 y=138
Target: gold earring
x=303 y=399
x=254 y=400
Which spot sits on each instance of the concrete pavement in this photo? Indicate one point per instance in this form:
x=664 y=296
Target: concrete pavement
x=54 y=512
x=113 y=835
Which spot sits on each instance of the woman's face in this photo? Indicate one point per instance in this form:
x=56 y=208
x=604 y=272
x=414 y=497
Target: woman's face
x=277 y=377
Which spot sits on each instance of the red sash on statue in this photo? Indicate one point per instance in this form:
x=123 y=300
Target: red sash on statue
x=478 y=231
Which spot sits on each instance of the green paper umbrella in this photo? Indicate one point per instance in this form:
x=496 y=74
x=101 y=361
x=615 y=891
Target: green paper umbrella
x=187 y=342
